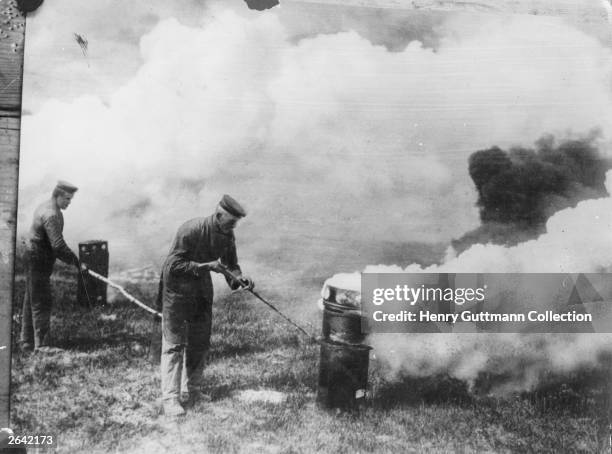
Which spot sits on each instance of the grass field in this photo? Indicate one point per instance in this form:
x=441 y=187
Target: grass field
x=102 y=394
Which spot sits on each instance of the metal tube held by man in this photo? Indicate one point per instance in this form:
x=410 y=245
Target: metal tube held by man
x=44 y=245
x=186 y=296
x=245 y=285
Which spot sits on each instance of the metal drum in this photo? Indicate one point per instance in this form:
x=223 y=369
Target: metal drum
x=342 y=326
x=343 y=375
x=344 y=362
x=341 y=299
x=91 y=291
x=342 y=315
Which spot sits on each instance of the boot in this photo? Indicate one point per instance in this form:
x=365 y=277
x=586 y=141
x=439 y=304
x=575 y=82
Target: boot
x=193 y=397
x=172 y=408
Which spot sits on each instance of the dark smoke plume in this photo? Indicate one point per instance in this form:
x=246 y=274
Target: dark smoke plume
x=519 y=189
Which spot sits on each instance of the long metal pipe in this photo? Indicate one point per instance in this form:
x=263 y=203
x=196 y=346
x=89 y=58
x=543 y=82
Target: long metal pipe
x=235 y=278
x=227 y=273
x=124 y=292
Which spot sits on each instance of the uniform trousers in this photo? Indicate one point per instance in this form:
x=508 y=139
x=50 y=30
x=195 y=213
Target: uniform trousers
x=37 y=302
x=185 y=345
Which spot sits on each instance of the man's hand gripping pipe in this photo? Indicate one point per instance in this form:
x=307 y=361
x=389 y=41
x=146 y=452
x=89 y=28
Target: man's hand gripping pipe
x=226 y=272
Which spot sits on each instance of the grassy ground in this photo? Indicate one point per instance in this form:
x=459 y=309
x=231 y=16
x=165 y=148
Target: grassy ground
x=102 y=395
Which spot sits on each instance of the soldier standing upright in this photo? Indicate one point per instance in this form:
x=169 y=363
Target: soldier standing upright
x=45 y=244
x=200 y=246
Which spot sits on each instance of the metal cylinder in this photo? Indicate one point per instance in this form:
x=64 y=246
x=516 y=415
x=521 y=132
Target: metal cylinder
x=342 y=326
x=343 y=375
x=342 y=317
x=91 y=291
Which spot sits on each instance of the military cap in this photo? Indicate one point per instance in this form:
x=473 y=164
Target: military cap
x=232 y=206
x=66 y=187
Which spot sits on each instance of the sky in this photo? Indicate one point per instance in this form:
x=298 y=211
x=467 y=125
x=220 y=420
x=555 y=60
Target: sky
x=338 y=127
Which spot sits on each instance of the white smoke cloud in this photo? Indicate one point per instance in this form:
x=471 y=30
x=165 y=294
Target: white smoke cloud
x=518 y=361
x=578 y=240
x=328 y=138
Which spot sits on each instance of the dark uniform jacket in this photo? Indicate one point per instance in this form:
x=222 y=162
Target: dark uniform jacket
x=186 y=293
x=46 y=238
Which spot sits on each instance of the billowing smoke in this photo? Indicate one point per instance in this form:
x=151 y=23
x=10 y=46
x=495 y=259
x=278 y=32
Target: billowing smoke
x=512 y=362
x=339 y=148
x=519 y=189
x=344 y=147
x=577 y=240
